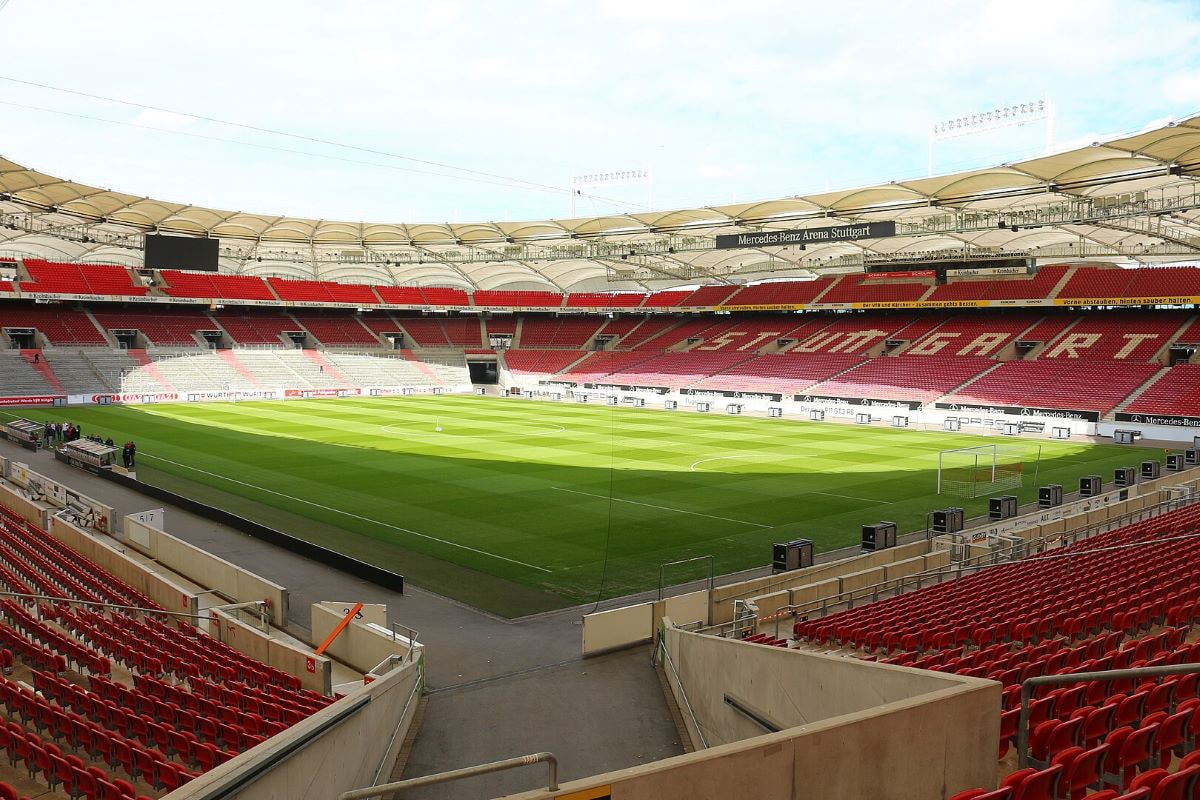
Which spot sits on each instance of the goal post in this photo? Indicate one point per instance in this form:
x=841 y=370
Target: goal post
x=985 y=469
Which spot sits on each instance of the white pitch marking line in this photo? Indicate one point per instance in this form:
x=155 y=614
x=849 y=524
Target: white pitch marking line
x=497 y=434
x=661 y=508
x=720 y=458
x=852 y=497
x=346 y=513
x=826 y=494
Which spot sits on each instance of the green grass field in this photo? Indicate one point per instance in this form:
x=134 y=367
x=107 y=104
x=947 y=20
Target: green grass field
x=512 y=506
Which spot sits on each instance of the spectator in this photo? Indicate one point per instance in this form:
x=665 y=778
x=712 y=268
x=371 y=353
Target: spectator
x=127 y=455
x=47 y=433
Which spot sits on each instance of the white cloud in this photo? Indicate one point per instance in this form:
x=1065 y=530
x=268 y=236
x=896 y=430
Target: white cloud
x=760 y=98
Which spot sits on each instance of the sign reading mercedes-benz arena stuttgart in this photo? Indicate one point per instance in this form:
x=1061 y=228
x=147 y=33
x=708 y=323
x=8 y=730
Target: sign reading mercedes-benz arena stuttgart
x=834 y=233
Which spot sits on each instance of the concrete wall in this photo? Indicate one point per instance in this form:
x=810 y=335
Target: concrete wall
x=30 y=512
x=914 y=734
x=204 y=568
x=358 y=751
x=313 y=671
x=362 y=645
x=157 y=587
x=622 y=627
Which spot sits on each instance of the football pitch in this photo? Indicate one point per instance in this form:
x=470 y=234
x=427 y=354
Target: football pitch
x=518 y=506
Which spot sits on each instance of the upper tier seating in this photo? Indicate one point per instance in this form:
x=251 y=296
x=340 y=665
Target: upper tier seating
x=540 y=362
x=1057 y=383
x=80 y=279
x=904 y=378
x=666 y=299
x=445 y=296
x=166 y=328
x=60 y=325
x=1176 y=392
x=549 y=332
x=859 y=289
x=707 y=296
x=211 y=285
x=337 y=330
x=789 y=293
x=1089 y=283
x=604 y=299
x=1037 y=287
x=518 y=299
x=323 y=292
x=401 y=295
x=1117 y=335
x=256 y=327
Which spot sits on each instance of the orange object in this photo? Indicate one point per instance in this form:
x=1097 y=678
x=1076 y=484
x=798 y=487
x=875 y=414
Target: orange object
x=341 y=626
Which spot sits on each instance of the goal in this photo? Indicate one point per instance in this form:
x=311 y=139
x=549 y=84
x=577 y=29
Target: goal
x=985 y=469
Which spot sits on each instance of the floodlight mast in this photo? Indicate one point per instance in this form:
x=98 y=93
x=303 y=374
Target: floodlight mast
x=621 y=177
x=1003 y=117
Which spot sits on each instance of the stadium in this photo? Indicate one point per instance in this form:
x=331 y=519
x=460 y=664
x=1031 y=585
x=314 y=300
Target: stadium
x=889 y=491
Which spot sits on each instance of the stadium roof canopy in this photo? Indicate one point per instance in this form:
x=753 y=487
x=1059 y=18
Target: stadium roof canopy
x=1132 y=197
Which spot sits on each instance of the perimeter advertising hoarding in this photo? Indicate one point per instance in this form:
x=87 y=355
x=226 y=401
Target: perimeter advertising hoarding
x=833 y=233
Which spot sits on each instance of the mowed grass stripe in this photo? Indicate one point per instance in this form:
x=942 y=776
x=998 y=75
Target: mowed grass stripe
x=489 y=491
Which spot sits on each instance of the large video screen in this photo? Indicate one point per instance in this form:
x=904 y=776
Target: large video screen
x=181 y=252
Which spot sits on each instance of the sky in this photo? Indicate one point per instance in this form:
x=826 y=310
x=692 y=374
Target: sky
x=397 y=111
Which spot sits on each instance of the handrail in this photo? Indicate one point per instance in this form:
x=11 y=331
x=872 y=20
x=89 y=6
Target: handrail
x=456 y=774
x=1030 y=684
x=662 y=645
x=1033 y=547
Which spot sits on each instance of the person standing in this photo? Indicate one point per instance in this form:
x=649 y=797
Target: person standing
x=132 y=455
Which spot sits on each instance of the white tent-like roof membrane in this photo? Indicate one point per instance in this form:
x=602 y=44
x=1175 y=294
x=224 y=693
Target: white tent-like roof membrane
x=1034 y=207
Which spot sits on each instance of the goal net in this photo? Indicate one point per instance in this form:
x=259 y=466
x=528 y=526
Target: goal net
x=986 y=469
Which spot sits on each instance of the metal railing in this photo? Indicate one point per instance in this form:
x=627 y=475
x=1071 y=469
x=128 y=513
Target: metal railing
x=413 y=633
x=457 y=774
x=666 y=654
x=1030 y=684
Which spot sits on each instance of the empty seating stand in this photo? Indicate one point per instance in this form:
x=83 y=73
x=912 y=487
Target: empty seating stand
x=215 y=286
x=60 y=325
x=323 y=292
x=187 y=702
x=58 y=278
x=166 y=328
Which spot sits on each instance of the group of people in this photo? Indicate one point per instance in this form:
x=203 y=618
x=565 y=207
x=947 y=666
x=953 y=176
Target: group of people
x=128 y=454
x=63 y=432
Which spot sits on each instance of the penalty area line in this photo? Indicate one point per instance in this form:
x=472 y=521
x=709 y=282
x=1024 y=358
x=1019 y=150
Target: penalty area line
x=661 y=508
x=345 y=513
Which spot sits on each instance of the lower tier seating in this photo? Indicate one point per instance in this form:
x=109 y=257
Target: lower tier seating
x=1085 y=385
x=179 y=704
